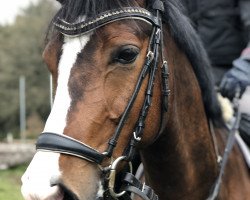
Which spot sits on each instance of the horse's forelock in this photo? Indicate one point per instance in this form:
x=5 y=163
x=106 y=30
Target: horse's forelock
x=71 y=10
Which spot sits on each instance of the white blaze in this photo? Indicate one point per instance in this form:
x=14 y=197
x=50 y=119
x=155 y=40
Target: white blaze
x=58 y=116
x=45 y=165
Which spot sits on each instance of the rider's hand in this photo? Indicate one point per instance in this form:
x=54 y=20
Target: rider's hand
x=239 y=75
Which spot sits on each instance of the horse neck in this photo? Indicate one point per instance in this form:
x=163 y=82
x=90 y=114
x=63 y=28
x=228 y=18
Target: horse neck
x=183 y=158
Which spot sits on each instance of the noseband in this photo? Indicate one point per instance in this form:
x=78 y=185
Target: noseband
x=66 y=145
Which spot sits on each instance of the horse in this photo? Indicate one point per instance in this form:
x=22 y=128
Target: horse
x=131 y=78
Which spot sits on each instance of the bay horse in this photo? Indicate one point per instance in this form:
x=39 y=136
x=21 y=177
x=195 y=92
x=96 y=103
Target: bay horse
x=131 y=76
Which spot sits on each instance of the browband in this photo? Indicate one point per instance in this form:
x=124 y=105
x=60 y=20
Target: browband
x=76 y=29
x=67 y=145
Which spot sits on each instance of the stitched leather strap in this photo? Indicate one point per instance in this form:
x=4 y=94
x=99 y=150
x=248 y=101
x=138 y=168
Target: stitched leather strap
x=67 y=145
x=76 y=29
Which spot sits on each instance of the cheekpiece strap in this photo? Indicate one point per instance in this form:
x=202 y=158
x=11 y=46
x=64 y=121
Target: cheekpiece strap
x=133 y=185
x=67 y=145
x=79 y=28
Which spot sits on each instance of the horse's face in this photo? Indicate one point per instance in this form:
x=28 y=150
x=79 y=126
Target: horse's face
x=94 y=76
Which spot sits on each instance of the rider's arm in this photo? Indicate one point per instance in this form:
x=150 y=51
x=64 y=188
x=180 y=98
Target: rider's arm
x=239 y=74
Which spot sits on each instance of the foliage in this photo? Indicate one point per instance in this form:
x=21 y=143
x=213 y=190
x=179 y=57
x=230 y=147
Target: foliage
x=10 y=183
x=21 y=47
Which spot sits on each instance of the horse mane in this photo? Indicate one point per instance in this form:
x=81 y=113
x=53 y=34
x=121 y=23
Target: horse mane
x=188 y=40
x=180 y=29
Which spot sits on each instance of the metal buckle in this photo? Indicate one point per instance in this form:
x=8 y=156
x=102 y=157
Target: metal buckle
x=150 y=55
x=112 y=177
x=105 y=169
x=138 y=139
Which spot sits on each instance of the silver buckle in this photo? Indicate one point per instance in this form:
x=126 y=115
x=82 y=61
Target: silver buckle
x=138 y=139
x=112 y=177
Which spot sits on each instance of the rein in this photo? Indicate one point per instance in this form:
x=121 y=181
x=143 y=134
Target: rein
x=229 y=146
x=66 y=145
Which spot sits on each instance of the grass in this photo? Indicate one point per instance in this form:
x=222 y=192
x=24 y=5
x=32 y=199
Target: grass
x=10 y=183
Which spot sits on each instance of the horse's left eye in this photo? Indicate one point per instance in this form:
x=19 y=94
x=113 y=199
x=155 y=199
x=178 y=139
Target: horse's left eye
x=127 y=54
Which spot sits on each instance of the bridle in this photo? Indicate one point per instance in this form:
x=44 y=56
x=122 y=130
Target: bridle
x=66 y=145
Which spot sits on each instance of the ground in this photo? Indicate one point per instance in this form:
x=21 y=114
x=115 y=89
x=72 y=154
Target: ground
x=14 y=158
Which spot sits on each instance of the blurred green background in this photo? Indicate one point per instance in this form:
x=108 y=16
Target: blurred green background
x=21 y=46
x=10 y=183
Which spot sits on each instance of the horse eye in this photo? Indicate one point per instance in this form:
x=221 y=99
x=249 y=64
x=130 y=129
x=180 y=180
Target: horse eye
x=127 y=54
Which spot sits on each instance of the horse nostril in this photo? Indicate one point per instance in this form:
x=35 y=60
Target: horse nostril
x=54 y=180
x=67 y=193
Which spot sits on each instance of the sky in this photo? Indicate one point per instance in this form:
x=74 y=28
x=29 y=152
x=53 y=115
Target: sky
x=10 y=8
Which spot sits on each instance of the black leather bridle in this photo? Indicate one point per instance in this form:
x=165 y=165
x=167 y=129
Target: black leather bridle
x=66 y=145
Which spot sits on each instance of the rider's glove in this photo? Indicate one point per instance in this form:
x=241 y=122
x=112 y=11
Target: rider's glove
x=239 y=75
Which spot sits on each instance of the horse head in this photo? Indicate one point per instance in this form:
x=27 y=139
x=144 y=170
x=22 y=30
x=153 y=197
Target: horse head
x=101 y=73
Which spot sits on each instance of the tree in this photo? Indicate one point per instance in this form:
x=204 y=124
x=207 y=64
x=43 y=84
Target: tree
x=21 y=47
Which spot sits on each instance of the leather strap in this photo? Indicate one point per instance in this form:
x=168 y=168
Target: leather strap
x=145 y=70
x=67 y=145
x=76 y=29
x=133 y=185
x=140 y=124
x=229 y=146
